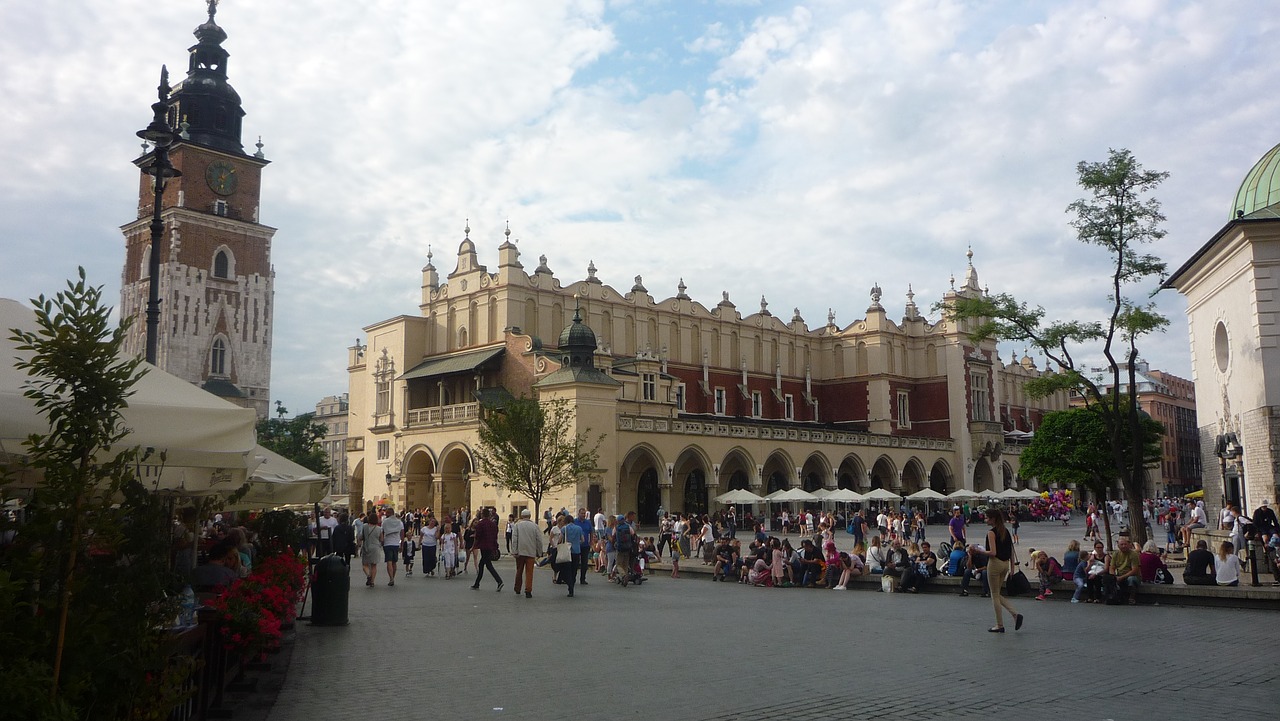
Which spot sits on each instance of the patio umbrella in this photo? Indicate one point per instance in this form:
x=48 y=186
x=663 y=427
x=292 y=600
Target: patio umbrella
x=845 y=495
x=988 y=494
x=790 y=495
x=963 y=494
x=740 y=495
x=1028 y=493
x=881 y=494
x=204 y=439
x=1009 y=494
x=927 y=494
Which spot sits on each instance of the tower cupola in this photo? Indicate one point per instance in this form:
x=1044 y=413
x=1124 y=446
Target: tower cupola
x=205 y=104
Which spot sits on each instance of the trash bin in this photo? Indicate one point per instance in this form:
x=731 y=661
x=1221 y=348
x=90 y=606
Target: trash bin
x=329 y=591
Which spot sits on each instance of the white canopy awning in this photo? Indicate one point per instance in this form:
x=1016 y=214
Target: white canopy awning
x=963 y=494
x=845 y=495
x=881 y=494
x=196 y=440
x=790 y=495
x=927 y=494
x=740 y=495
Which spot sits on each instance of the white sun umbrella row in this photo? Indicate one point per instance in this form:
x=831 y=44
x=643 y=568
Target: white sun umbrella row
x=793 y=495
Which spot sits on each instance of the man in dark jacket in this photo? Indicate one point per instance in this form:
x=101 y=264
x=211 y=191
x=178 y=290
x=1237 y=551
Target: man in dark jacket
x=487 y=542
x=344 y=538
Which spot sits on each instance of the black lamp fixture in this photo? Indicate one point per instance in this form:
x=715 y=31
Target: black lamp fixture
x=161 y=137
x=389 y=480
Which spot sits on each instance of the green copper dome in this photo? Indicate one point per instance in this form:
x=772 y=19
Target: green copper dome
x=1261 y=187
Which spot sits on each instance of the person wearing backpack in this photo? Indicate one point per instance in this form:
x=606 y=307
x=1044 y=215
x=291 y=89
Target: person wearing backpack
x=624 y=545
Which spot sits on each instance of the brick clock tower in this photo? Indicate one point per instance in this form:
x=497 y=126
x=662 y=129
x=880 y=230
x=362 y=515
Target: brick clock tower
x=216 y=280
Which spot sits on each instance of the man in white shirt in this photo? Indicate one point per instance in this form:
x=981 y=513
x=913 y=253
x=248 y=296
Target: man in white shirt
x=600 y=523
x=327 y=524
x=392 y=530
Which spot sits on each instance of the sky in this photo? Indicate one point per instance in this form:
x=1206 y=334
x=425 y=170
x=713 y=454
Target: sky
x=803 y=151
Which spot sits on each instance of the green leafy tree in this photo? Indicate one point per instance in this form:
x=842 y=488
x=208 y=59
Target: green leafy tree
x=1072 y=447
x=1116 y=216
x=528 y=448
x=297 y=439
x=83 y=582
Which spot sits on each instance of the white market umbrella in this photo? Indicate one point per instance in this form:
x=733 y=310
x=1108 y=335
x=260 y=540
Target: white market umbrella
x=822 y=494
x=1009 y=494
x=205 y=441
x=1028 y=493
x=927 y=494
x=740 y=495
x=988 y=494
x=963 y=494
x=881 y=494
x=790 y=495
x=845 y=495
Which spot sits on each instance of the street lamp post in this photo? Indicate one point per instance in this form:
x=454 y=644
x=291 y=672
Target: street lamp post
x=161 y=136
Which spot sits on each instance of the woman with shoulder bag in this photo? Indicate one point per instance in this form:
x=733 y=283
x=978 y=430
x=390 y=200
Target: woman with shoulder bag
x=999 y=553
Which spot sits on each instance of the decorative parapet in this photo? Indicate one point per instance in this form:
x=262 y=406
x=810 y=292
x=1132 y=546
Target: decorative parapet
x=757 y=431
x=442 y=415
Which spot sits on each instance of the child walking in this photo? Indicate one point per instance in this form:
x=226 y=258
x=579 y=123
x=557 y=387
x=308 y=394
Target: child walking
x=449 y=550
x=409 y=551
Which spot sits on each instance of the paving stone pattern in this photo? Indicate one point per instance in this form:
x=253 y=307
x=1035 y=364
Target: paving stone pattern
x=693 y=649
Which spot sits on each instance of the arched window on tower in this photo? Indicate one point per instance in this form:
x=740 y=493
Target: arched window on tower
x=145 y=272
x=218 y=358
x=223 y=263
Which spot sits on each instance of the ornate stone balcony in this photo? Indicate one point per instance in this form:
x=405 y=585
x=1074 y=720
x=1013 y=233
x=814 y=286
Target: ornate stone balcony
x=456 y=414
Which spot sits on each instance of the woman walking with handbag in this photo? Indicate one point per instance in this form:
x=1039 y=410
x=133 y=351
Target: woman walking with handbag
x=999 y=553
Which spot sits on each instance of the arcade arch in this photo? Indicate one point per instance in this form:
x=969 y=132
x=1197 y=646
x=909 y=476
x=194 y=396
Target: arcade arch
x=884 y=474
x=852 y=474
x=639 y=488
x=419 y=478
x=779 y=471
x=454 y=489
x=816 y=473
x=940 y=477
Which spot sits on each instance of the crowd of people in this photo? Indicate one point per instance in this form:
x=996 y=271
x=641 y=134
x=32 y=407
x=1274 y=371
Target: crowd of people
x=890 y=544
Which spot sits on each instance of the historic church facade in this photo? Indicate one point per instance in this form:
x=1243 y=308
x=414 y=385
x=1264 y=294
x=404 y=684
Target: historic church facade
x=216 y=279
x=693 y=399
x=1232 y=286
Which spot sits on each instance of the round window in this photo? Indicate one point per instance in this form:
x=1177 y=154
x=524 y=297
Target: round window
x=1221 y=347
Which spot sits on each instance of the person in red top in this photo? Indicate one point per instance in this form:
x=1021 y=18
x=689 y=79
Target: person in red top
x=486 y=540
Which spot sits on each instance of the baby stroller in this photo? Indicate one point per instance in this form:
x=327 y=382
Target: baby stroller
x=633 y=574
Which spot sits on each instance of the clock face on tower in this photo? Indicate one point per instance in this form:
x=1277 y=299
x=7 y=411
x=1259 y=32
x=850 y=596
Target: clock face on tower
x=221 y=177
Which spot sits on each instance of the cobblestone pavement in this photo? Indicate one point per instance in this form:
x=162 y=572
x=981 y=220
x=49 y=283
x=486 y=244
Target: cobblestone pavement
x=693 y=649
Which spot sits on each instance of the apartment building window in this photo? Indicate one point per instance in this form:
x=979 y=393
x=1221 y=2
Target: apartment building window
x=904 y=409
x=680 y=397
x=384 y=450
x=979 y=397
x=648 y=387
x=757 y=406
x=720 y=401
x=789 y=407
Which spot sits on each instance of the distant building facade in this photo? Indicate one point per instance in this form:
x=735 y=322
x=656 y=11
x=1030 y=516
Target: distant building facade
x=1171 y=401
x=694 y=400
x=1232 y=286
x=332 y=411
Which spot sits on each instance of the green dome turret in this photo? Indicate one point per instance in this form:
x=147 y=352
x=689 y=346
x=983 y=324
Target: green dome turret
x=578 y=343
x=1260 y=189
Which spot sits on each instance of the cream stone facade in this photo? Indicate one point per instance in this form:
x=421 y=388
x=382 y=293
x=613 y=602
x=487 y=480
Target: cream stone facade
x=1232 y=286
x=694 y=400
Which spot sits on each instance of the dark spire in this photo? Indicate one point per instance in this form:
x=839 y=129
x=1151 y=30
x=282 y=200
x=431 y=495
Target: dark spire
x=205 y=100
x=577 y=341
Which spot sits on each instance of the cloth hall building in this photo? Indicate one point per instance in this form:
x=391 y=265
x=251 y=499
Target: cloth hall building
x=693 y=400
